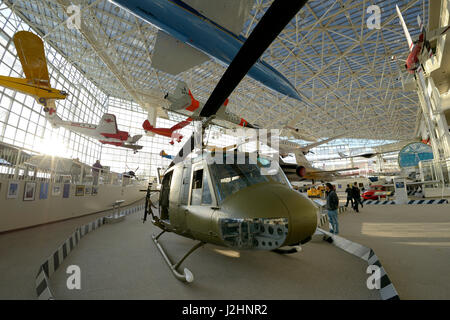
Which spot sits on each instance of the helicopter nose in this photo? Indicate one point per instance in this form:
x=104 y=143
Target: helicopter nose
x=265 y=207
x=303 y=216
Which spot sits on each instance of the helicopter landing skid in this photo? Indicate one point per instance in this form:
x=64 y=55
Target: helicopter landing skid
x=288 y=251
x=187 y=275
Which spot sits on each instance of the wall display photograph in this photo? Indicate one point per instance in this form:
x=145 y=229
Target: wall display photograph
x=79 y=191
x=30 y=191
x=66 y=190
x=43 y=193
x=13 y=190
x=56 y=190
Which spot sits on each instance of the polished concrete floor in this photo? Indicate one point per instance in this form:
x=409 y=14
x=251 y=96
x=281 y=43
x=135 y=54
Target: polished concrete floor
x=412 y=243
x=22 y=252
x=121 y=262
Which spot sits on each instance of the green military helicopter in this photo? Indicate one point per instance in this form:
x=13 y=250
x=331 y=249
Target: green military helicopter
x=233 y=199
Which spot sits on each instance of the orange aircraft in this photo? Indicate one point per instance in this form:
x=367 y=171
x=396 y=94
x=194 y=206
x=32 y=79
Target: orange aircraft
x=168 y=132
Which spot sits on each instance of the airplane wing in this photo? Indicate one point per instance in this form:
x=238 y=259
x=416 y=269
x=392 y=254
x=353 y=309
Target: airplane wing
x=107 y=124
x=310 y=146
x=231 y=14
x=300 y=134
x=437 y=33
x=30 y=50
x=342 y=155
x=181 y=124
x=405 y=28
x=318 y=171
x=132 y=146
x=173 y=56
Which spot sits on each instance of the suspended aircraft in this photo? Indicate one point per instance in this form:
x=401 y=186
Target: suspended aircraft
x=183 y=102
x=163 y=154
x=227 y=202
x=30 y=50
x=366 y=155
x=168 y=132
x=106 y=131
x=420 y=50
x=303 y=169
x=192 y=30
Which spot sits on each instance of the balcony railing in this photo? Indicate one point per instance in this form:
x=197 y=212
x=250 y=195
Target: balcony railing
x=23 y=164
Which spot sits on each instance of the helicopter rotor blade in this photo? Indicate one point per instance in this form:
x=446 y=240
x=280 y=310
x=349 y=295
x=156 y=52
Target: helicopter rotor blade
x=280 y=13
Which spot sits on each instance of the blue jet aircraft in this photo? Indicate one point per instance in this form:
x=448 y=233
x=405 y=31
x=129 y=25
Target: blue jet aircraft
x=187 y=34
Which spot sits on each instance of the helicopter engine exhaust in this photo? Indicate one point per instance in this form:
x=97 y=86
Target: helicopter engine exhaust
x=300 y=171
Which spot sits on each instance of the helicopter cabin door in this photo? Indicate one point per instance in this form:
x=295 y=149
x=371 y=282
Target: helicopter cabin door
x=164 y=196
x=201 y=203
x=178 y=214
x=170 y=193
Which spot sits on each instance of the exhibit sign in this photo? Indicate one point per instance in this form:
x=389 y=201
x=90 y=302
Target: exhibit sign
x=401 y=194
x=413 y=153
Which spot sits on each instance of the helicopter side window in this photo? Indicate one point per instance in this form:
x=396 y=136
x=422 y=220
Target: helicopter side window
x=197 y=181
x=206 y=195
x=185 y=186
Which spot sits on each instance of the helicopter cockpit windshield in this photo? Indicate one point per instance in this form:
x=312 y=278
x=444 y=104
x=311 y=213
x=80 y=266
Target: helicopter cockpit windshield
x=230 y=178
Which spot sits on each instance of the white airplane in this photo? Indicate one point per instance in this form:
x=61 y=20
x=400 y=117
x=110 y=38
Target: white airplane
x=106 y=131
x=302 y=169
x=182 y=101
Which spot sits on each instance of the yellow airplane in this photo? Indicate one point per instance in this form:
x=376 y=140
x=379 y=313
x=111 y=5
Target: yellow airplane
x=30 y=50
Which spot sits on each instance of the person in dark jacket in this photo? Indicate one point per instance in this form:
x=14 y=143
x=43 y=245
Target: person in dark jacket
x=332 y=207
x=356 y=197
x=349 y=193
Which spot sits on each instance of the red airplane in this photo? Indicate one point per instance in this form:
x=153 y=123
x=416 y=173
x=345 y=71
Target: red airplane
x=168 y=132
x=105 y=132
x=417 y=53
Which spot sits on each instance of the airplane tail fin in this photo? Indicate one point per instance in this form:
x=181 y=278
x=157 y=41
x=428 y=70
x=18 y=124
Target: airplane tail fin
x=147 y=126
x=107 y=124
x=136 y=138
x=54 y=120
x=405 y=28
x=182 y=98
x=300 y=158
